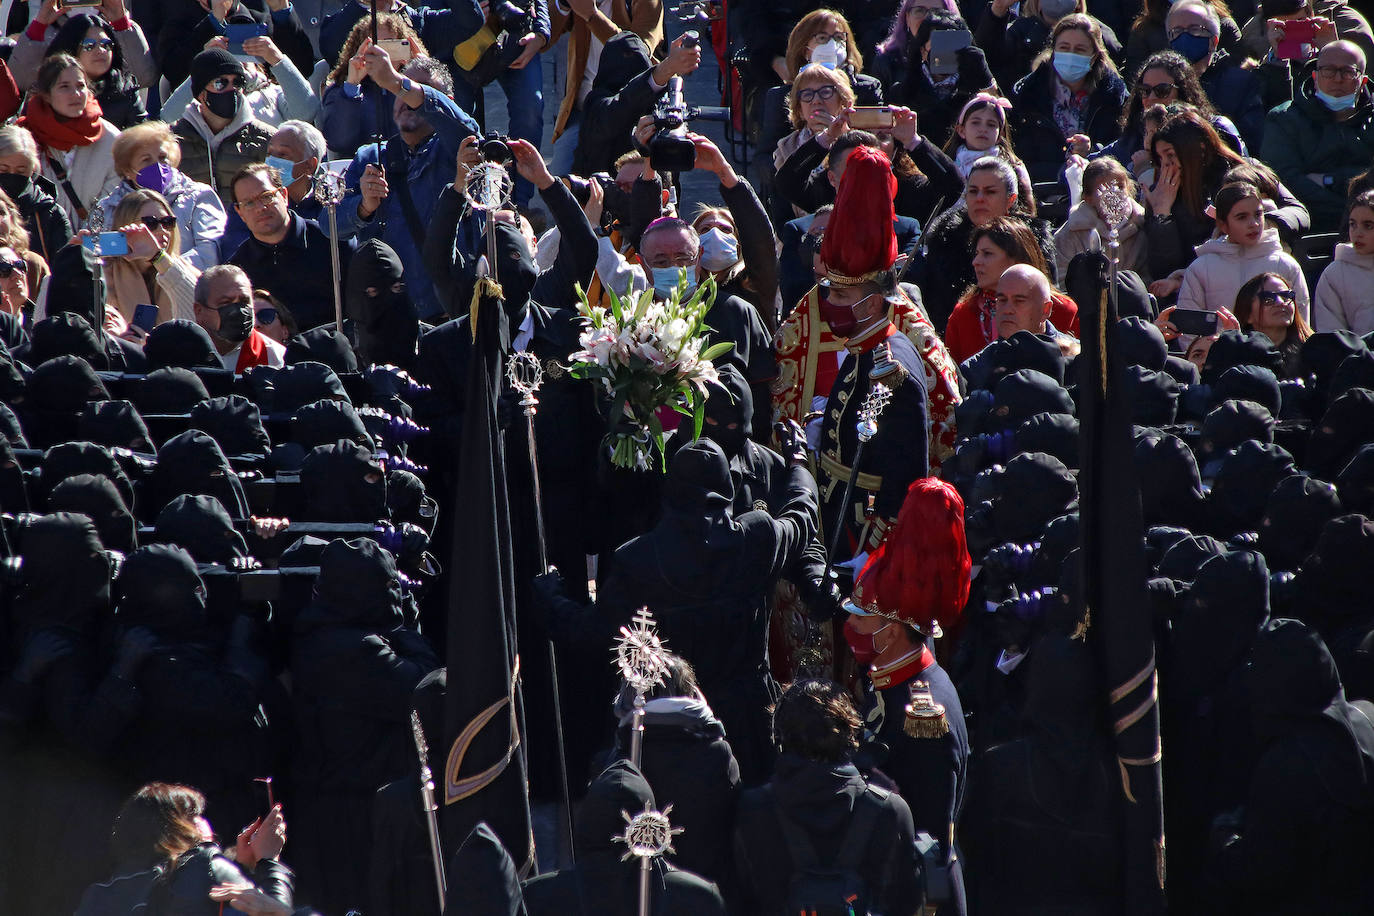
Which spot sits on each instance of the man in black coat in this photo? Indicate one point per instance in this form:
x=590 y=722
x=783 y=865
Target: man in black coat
x=568 y=428
x=286 y=254
x=601 y=883
x=354 y=667
x=1305 y=836
x=706 y=573
x=817 y=795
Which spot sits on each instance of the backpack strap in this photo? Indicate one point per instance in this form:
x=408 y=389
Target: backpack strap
x=400 y=181
x=863 y=819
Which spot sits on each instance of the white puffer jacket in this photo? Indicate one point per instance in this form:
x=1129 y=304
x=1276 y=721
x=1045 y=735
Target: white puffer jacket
x=1345 y=292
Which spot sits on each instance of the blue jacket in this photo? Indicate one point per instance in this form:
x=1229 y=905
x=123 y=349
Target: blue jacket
x=422 y=172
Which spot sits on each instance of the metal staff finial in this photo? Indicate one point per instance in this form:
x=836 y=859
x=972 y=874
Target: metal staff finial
x=526 y=375
x=647 y=836
x=329 y=190
x=489 y=186
x=430 y=806
x=639 y=656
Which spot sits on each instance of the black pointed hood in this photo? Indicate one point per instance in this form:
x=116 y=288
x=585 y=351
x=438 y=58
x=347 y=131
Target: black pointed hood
x=1220 y=616
x=323 y=345
x=192 y=463
x=378 y=301
x=729 y=418
x=235 y=423
x=116 y=424
x=359 y=584
x=160 y=589
x=201 y=526
x=62 y=462
x=172 y=390
x=98 y=498
x=182 y=343
x=343 y=482
x=482 y=880
x=65 y=578
x=1294 y=518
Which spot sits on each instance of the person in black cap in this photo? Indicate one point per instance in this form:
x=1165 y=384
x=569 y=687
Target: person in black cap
x=602 y=882
x=218 y=133
x=355 y=664
x=1303 y=839
x=817 y=801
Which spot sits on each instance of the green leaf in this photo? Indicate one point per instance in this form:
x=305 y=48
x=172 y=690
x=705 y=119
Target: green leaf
x=717 y=349
x=615 y=306
x=698 y=412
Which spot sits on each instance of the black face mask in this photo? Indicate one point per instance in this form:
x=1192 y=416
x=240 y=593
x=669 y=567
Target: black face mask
x=15 y=184
x=235 y=321
x=224 y=104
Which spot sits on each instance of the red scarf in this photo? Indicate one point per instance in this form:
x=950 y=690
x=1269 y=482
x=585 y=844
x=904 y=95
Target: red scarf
x=41 y=121
x=252 y=353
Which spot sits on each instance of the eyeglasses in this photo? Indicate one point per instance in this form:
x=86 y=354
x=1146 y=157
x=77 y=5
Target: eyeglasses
x=261 y=202
x=921 y=12
x=1274 y=296
x=265 y=317
x=8 y=268
x=92 y=44
x=1158 y=90
x=159 y=222
x=1197 y=31
x=225 y=83
x=823 y=93
x=681 y=260
x=821 y=38
x=1345 y=74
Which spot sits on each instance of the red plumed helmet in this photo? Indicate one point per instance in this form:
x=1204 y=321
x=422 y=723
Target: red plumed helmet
x=920 y=573
x=859 y=239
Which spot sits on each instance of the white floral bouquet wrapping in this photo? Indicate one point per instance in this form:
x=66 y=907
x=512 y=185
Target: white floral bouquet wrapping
x=647 y=355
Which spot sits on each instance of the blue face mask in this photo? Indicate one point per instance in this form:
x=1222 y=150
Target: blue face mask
x=154 y=177
x=1193 y=47
x=667 y=279
x=1338 y=102
x=284 y=167
x=1072 y=67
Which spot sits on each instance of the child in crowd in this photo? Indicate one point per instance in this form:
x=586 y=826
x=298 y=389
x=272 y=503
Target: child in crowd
x=1345 y=292
x=1085 y=219
x=1244 y=248
x=981 y=130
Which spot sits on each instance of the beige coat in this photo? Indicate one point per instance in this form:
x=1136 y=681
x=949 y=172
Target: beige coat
x=173 y=292
x=646 y=21
x=92 y=173
x=1223 y=267
x=1076 y=237
x=1345 y=293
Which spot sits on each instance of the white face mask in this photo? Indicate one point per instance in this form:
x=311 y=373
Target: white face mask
x=831 y=54
x=719 y=250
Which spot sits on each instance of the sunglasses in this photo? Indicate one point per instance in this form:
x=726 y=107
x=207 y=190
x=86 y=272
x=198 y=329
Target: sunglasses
x=225 y=83
x=824 y=93
x=1272 y=297
x=265 y=317
x=92 y=44
x=9 y=268
x=159 y=222
x=1158 y=90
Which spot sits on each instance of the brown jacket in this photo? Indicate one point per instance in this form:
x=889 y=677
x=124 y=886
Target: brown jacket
x=646 y=21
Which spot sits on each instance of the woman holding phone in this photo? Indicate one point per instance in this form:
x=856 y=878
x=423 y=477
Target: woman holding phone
x=153 y=272
x=351 y=109
x=1268 y=304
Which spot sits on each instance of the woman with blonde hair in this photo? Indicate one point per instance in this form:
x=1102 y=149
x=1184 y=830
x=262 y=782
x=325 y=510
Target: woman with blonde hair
x=817 y=97
x=351 y=110
x=147 y=157
x=14 y=235
x=153 y=272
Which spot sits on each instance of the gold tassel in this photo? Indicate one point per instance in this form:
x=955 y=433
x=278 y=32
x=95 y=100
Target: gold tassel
x=925 y=718
x=485 y=286
x=1081 y=631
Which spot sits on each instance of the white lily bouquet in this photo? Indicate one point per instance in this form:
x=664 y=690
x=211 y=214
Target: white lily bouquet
x=647 y=355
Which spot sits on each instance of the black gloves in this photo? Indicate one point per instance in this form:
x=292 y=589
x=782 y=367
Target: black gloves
x=44 y=649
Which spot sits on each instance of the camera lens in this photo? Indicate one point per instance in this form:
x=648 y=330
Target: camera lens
x=494 y=149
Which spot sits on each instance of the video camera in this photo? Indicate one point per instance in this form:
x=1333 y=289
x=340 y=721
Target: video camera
x=670 y=149
x=698 y=12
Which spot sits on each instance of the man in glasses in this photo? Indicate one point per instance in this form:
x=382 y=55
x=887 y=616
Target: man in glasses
x=218 y=134
x=1194 y=31
x=223 y=304
x=1325 y=136
x=285 y=253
